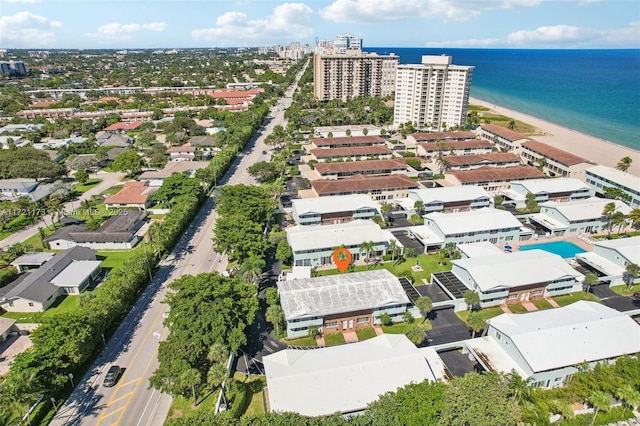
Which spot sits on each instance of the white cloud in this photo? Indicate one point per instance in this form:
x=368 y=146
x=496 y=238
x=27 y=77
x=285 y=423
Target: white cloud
x=367 y=11
x=116 y=31
x=288 y=21
x=26 y=28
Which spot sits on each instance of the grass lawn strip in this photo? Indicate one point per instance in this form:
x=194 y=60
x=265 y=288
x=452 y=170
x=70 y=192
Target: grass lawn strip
x=301 y=341
x=365 y=333
x=332 y=339
x=574 y=297
x=541 y=304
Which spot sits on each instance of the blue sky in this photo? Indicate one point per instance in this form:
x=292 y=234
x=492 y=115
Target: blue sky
x=380 y=23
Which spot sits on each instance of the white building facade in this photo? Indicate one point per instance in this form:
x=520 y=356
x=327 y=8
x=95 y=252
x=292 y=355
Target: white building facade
x=601 y=177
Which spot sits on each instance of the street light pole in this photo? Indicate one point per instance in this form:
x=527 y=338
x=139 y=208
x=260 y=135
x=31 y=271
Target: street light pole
x=71 y=380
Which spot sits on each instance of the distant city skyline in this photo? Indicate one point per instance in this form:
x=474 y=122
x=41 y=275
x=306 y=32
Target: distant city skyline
x=121 y=24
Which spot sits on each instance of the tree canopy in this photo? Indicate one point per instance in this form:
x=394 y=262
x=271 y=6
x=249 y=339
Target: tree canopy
x=29 y=163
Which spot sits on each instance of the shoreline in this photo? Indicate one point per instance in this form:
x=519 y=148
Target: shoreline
x=586 y=146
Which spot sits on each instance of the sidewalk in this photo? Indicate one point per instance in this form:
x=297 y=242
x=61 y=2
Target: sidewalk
x=108 y=180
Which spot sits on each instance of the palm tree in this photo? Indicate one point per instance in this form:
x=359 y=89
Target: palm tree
x=471 y=297
x=512 y=124
x=191 y=378
x=624 y=164
x=618 y=220
x=632 y=271
x=275 y=315
x=409 y=252
x=251 y=269
x=601 y=402
x=590 y=280
x=442 y=164
x=415 y=334
x=217 y=354
x=629 y=396
x=367 y=248
x=608 y=211
x=476 y=322
x=531 y=201
x=393 y=248
x=216 y=375
x=424 y=304
x=418 y=206
x=634 y=216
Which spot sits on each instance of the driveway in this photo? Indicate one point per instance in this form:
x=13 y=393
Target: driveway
x=613 y=300
x=408 y=242
x=458 y=363
x=447 y=328
x=433 y=292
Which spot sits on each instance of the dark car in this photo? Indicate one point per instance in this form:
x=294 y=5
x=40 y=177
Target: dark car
x=112 y=376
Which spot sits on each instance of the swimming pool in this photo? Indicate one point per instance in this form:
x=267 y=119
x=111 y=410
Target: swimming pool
x=564 y=249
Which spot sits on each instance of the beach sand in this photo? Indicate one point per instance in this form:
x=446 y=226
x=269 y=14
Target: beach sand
x=591 y=148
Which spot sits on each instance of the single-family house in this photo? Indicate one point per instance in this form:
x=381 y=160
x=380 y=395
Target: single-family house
x=12 y=189
x=29 y=261
x=155 y=178
x=113 y=139
x=554 y=161
x=182 y=153
x=68 y=272
x=559 y=190
x=132 y=195
x=503 y=138
x=610 y=258
x=7 y=326
x=601 y=177
x=333 y=209
x=493 y=179
x=314 y=245
x=546 y=348
x=342 y=170
x=123 y=127
x=511 y=277
x=379 y=188
x=575 y=217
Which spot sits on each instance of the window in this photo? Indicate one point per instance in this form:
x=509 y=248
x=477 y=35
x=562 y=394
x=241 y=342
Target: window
x=513 y=296
x=331 y=324
x=537 y=292
x=363 y=320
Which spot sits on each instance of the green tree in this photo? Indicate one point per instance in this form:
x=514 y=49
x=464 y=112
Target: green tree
x=385 y=319
x=471 y=298
x=632 y=271
x=178 y=184
x=81 y=176
x=408 y=318
x=128 y=161
x=531 y=202
x=634 y=217
x=238 y=237
x=418 y=206
x=590 y=280
x=600 y=402
x=618 y=220
x=415 y=334
x=393 y=248
x=265 y=171
x=283 y=251
x=313 y=331
x=216 y=375
x=415 y=219
x=442 y=163
x=367 y=248
x=275 y=315
x=512 y=124
x=607 y=212
x=476 y=322
x=629 y=396
x=218 y=353
x=190 y=379
x=624 y=164
x=425 y=305
x=479 y=400
x=251 y=269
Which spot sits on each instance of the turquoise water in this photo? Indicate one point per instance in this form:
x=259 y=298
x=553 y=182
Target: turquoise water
x=596 y=92
x=563 y=249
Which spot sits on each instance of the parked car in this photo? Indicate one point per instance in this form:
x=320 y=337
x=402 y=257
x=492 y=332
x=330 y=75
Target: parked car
x=636 y=294
x=112 y=376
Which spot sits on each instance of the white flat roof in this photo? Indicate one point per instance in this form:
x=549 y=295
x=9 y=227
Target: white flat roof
x=77 y=271
x=332 y=294
x=483 y=248
x=589 y=208
x=507 y=270
x=627 y=247
x=548 y=221
x=482 y=219
x=425 y=235
x=559 y=184
x=583 y=331
x=600 y=263
x=327 y=236
x=617 y=176
x=342 y=378
x=450 y=193
x=494 y=356
x=334 y=203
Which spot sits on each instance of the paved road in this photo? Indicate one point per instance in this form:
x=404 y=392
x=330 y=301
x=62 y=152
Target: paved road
x=135 y=343
x=108 y=180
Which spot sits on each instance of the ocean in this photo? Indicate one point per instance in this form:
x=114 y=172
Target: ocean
x=596 y=92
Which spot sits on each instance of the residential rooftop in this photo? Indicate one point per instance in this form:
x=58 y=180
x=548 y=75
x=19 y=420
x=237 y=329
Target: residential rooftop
x=471 y=221
x=559 y=184
x=617 y=176
x=132 y=192
x=588 y=208
x=361 y=166
x=492 y=157
x=492 y=174
x=503 y=132
x=328 y=236
x=435 y=136
x=350 y=151
x=173 y=167
x=448 y=194
x=349 y=141
x=124 y=126
x=334 y=203
x=553 y=153
x=455 y=144
x=627 y=247
x=360 y=183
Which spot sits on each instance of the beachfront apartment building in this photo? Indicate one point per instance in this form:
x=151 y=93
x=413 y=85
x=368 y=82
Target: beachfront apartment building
x=512 y=277
x=314 y=245
x=346 y=169
x=352 y=153
x=422 y=137
x=554 y=161
x=474 y=161
x=379 y=188
x=432 y=150
x=433 y=94
x=343 y=302
x=493 y=179
x=352 y=74
x=575 y=217
x=559 y=190
x=546 y=348
x=345 y=142
x=333 y=209
x=485 y=224
x=503 y=138
x=601 y=177
x=448 y=199
x=610 y=258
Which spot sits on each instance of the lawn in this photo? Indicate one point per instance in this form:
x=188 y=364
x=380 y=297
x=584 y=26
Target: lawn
x=487 y=313
x=623 y=290
x=63 y=304
x=365 y=333
x=518 y=309
x=574 y=297
x=402 y=328
x=181 y=406
x=502 y=120
x=255 y=386
x=112 y=190
x=542 y=304
x=332 y=339
x=112 y=259
x=81 y=188
x=302 y=341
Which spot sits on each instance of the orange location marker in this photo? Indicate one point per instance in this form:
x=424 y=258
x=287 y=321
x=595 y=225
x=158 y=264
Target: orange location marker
x=342 y=258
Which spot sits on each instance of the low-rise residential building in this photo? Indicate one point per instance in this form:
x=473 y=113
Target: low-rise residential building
x=503 y=138
x=343 y=302
x=367 y=167
x=113 y=139
x=584 y=332
x=119 y=232
x=333 y=209
x=203 y=141
x=345 y=378
x=610 y=258
x=421 y=137
x=493 y=179
x=575 y=217
x=377 y=187
x=29 y=261
x=601 y=177
x=474 y=161
x=123 y=127
x=554 y=161
x=345 y=142
x=68 y=272
x=182 y=153
x=512 y=277
x=351 y=153
x=314 y=245
x=558 y=190
x=12 y=189
x=432 y=150
x=155 y=178
x=132 y=195
x=448 y=199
